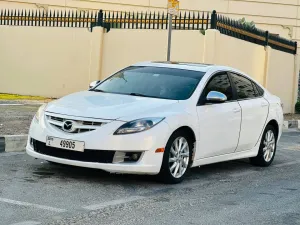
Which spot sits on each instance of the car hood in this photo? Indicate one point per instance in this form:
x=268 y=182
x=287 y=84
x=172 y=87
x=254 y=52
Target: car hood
x=107 y=106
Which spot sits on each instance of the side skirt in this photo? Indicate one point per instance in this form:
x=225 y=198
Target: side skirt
x=228 y=157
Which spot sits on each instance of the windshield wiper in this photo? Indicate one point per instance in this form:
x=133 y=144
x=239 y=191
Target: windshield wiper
x=138 y=94
x=97 y=90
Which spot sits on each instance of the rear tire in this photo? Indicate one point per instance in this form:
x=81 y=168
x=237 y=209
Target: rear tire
x=177 y=158
x=267 y=148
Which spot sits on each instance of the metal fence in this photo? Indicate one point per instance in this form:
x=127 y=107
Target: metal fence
x=50 y=18
x=108 y=19
x=152 y=20
x=157 y=20
x=235 y=29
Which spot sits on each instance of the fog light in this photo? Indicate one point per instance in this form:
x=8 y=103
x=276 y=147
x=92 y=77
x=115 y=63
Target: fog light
x=121 y=157
x=135 y=157
x=132 y=156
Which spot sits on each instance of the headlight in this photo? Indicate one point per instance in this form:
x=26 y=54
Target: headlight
x=40 y=112
x=138 y=125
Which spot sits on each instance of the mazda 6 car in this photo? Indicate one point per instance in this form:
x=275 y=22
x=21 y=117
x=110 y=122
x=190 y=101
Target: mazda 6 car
x=160 y=118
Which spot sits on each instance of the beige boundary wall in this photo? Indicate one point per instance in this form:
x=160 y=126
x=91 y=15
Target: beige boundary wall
x=48 y=61
x=125 y=47
x=282 y=77
x=53 y=62
x=239 y=54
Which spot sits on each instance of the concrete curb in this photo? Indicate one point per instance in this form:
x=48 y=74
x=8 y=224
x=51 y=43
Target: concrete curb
x=17 y=143
x=17 y=104
x=288 y=124
x=13 y=143
x=2 y=144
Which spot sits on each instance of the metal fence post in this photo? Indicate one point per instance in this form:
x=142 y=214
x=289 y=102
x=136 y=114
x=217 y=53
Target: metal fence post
x=267 y=38
x=213 y=20
x=169 y=36
x=100 y=18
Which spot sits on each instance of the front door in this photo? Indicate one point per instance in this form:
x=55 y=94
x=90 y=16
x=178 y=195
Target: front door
x=219 y=124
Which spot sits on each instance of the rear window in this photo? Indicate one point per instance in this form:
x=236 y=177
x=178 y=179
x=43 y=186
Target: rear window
x=260 y=90
x=243 y=87
x=255 y=90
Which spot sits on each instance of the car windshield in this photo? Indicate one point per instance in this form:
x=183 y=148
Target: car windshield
x=155 y=82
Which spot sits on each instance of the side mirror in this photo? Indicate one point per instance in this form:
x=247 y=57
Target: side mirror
x=216 y=97
x=94 y=83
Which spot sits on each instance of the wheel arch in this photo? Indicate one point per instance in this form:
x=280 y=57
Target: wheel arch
x=191 y=134
x=275 y=124
x=272 y=122
x=259 y=159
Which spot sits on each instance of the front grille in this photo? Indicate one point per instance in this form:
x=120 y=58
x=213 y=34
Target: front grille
x=89 y=123
x=96 y=156
x=80 y=126
x=56 y=118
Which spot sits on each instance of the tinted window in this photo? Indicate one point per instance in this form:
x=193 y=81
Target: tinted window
x=153 y=82
x=257 y=94
x=221 y=84
x=243 y=86
x=260 y=90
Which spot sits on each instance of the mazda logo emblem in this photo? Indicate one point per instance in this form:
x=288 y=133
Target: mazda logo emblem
x=68 y=126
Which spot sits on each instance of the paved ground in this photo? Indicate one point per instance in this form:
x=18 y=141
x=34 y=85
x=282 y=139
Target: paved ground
x=16 y=115
x=16 y=119
x=292 y=116
x=36 y=192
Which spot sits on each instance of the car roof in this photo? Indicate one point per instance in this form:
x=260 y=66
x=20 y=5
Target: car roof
x=202 y=67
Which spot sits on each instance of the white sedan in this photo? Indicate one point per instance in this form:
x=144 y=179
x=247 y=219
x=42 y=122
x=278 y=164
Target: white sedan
x=160 y=118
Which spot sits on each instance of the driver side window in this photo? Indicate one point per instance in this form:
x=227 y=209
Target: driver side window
x=220 y=83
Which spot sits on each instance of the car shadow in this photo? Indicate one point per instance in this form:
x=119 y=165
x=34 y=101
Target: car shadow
x=59 y=171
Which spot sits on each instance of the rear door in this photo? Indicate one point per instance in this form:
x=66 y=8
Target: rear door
x=255 y=110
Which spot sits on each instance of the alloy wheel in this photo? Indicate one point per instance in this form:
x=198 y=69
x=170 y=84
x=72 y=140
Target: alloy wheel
x=179 y=157
x=269 y=146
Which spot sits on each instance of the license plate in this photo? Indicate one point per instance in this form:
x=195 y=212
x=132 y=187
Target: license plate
x=65 y=144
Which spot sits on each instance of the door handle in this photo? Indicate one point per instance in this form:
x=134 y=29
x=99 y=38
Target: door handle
x=263 y=104
x=236 y=110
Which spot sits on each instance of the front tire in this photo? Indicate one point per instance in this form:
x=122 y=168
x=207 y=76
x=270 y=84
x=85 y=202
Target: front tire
x=177 y=158
x=53 y=163
x=267 y=148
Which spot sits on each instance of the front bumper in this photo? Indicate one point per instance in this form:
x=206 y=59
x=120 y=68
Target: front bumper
x=130 y=168
x=103 y=139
